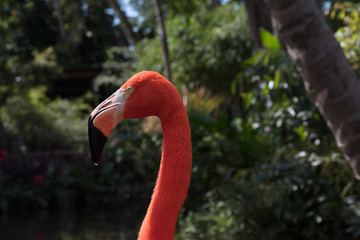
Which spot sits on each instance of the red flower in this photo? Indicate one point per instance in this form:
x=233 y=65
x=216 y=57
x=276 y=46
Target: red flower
x=38 y=179
x=3 y=155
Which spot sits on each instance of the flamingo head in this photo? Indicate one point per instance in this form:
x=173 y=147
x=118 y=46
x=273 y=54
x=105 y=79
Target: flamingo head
x=144 y=94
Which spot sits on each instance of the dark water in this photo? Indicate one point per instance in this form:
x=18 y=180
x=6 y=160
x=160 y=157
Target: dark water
x=70 y=225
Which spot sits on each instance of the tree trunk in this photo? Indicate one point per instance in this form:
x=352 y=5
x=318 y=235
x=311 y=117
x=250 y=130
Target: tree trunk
x=319 y=3
x=258 y=17
x=166 y=55
x=125 y=25
x=60 y=19
x=327 y=74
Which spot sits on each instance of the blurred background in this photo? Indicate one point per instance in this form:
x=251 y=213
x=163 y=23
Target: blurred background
x=265 y=165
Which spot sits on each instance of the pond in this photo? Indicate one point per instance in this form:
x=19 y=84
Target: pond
x=71 y=225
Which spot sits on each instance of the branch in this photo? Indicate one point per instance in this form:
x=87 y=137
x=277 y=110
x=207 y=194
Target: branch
x=125 y=25
x=166 y=55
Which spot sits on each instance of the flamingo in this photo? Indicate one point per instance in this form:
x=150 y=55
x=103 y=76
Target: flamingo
x=150 y=94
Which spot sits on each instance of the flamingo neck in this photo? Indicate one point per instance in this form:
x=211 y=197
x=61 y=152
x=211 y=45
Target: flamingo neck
x=173 y=179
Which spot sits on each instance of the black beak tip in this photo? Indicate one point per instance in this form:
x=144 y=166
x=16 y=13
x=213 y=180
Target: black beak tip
x=96 y=158
x=97 y=142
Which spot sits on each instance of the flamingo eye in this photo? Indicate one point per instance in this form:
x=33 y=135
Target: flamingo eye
x=129 y=90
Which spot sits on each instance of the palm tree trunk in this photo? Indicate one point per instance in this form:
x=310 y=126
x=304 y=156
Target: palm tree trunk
x=327 y=74
x=166 y=55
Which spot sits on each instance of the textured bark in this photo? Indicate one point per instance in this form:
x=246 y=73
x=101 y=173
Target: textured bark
x=326 y=72
x=258 y=17
x=166 y=54
x=125 y=25
x=319 y=3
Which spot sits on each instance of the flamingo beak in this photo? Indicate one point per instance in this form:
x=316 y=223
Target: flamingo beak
x=104 y=118
x=97 y=141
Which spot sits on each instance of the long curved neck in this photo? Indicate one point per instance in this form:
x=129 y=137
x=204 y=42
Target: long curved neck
x=173 y=179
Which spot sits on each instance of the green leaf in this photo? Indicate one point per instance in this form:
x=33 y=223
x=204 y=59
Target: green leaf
x=247 y=100
x=266 y=59
x=276 y=78
x=269 y=41
x=302 y=132
x=266 y=90
x=255 y=59
x=233 y=87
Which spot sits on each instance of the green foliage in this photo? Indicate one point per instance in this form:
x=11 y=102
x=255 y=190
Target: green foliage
x=45 y=124
x=206 y=47
x=348 y=35
x=118 y=67
x=275 y=173
x=150 y=57
x=209 y=47
x=287 y=199
x=202 y=101
x=269 y=41
x=127 y=175
x=263 y=186
x=270 y=172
